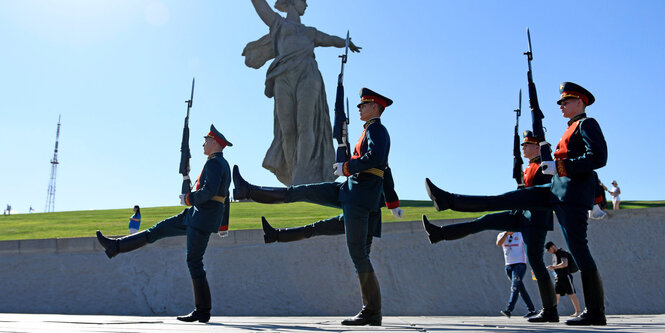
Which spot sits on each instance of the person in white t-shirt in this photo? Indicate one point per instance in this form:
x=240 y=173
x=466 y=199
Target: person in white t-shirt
x=515 y=258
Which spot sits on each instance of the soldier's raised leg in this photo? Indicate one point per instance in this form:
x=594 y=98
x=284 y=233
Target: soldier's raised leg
x=501 y=221
x=532 y=198
x=331 y=226
x=172 y=226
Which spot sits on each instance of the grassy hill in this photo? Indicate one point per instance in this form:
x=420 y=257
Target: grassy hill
x=244 y=215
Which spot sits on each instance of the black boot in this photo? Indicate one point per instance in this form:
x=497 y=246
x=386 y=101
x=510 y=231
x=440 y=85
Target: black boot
x=371 y=295
x=433 y=231
x=272 y=235
x=594 y=299
x=549 y=313
x=202 y=301
x=442 y=199
x=122 y=245
x=269 y=233
x=244 y=190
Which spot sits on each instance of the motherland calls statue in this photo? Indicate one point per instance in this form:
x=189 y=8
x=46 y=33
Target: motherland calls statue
x=301 y=151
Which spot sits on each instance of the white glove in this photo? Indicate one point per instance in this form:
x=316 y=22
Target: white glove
x=596 y=213
x=397 y=212
x=182 y=200
x=548 y=167
x=339 y=169
x=223 y=233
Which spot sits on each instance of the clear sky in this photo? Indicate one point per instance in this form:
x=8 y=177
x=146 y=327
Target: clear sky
x=119 y=71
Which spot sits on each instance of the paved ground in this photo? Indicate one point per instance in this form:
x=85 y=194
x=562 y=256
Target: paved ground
x=80 y=323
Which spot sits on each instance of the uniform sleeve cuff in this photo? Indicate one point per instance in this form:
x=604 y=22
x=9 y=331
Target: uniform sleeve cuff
x=345 y=169
x=224 y=227
x=392 y=204
x=561 y=168
x=187 y=199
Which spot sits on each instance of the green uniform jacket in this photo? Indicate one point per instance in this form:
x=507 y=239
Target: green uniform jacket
x=586 y=151
x=362 y=188
x=207 y=214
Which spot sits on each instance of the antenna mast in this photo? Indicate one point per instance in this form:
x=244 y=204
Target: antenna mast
x=50 y=197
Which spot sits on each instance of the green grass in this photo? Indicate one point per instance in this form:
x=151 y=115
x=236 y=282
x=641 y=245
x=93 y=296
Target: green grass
x=244 y=215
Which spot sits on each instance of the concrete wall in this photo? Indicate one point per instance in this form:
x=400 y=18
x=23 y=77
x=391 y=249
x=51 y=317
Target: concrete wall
x=316 y=277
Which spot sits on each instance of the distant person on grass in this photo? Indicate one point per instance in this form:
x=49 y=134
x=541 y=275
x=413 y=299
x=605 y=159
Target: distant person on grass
x=209 y=212
x=135 y=220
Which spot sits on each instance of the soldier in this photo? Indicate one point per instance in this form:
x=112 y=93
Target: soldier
x=359 y=197
x=580 y=151
x=533 y=226
x=209 y=213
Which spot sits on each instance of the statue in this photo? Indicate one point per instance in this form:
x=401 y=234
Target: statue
x=301 y=151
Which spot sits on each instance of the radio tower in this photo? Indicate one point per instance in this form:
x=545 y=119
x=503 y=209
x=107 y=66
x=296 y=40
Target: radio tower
x=50 y=197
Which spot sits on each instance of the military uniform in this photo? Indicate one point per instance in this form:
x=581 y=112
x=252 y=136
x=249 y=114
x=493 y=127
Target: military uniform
x=360 y=197
x=581 y=149
x=532 y=224
x=209 y=213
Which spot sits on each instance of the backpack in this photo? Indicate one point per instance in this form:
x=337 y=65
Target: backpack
x=572 y=265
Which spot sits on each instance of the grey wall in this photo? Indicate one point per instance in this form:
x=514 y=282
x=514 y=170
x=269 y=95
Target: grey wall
x=316 y=277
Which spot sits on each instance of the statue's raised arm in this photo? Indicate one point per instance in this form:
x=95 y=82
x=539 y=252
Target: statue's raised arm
x=323 y=39
x=266 y=14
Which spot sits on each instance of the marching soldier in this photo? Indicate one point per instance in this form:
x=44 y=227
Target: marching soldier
x=580 y=151
x=532 y=224
x=359 y=197
x=208 y=213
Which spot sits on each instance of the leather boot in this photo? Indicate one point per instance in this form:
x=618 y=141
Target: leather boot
x=371 y=295
x=463 y=203
x=272 y=235
x=202 y=302
x=434 y=232
x=442 y=199
x=244 y=190
x=594 y=299
x=549 y=313
x=122 y=245
x=449 y=232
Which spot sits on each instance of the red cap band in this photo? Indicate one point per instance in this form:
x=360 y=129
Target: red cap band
x=374 y=99
x=572 y=94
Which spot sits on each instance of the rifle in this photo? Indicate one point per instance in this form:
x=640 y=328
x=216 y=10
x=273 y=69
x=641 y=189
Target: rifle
x=536 y=114
x=185 y=154
x=340 y=128
x=517 y=157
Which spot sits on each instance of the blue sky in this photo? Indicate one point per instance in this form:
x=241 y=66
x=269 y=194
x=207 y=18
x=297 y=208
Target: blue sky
x=119 y=71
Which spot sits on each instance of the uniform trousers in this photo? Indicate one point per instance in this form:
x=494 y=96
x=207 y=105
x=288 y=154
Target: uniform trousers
x=197 y=240
x=358 y=223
